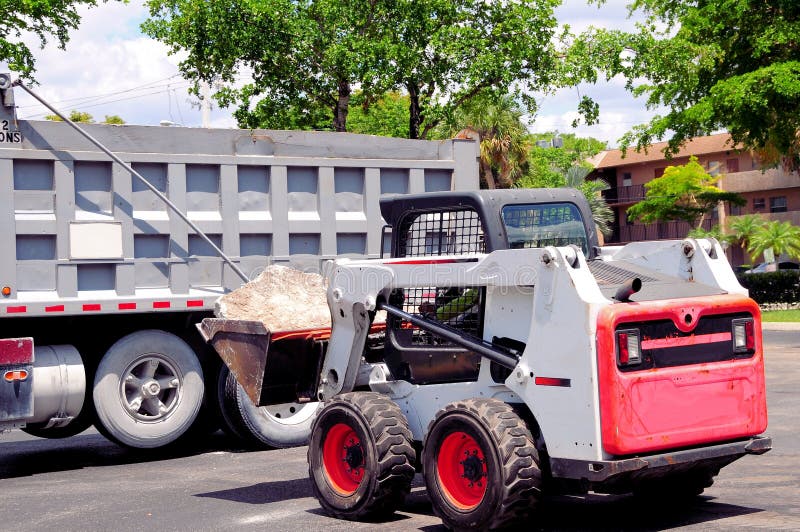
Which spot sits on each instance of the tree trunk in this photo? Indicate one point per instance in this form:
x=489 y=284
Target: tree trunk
x=342 y=107
x=488 y=175
x=414 y=116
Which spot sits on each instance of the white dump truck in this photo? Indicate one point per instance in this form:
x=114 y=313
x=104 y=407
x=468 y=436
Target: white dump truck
x=517 y=357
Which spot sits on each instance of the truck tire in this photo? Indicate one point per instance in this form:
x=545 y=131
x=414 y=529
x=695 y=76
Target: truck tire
x=360 y=457
x=148 y=389
x=480 y=465
x=275 y=426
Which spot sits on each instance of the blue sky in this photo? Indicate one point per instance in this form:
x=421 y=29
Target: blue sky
x=109 y=67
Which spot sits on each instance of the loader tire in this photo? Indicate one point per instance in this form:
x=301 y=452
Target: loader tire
x=148 y=389
x=360 y=457
x=262 y=427
x=480 y=465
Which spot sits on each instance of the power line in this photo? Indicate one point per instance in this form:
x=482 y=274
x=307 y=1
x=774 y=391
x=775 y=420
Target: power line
x=136 y=96
x=145 y=86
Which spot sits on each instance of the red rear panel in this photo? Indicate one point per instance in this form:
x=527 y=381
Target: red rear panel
x=690 y=388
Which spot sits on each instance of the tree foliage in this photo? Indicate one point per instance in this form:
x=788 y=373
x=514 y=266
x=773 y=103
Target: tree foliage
x=602 y=214
x=547 y=166
x=781 y=237
x=307 y=57
x=686 y=192
x=498 y=124
x=83 y=117
x=80 y=117
x=46 y=19
x=732 y=64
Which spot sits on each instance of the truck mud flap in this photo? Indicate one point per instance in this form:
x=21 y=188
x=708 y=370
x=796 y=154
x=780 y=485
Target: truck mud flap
x=271 y=367
x=16 y=379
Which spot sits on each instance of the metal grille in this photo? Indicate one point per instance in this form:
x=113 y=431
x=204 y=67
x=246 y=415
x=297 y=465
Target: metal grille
x=606 y=274
x=443 y=233
x=434 y=234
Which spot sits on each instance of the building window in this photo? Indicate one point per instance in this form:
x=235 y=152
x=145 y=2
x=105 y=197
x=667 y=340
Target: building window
x=658 y=172
x=732 y=165
x=777 y=204
x=736 y=210
x=758 y=204
x=627 y=179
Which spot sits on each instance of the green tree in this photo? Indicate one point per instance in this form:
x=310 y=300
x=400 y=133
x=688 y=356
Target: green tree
x=498 y=124
x=387 y=116
x=686 y=192
x=114 y=119
x=547 y=166
x=448 y=53
x=743 y=228
x=75 y=116
x=732 y=64
x=602 y=214
x=307 y=56
x=781 y=237
x=46 y=19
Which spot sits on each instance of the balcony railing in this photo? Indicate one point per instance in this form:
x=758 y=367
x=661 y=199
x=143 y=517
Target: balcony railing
x=656 y=231
x=624 y=195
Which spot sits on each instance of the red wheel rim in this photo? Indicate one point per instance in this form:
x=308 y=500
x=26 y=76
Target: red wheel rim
x=343 y=459
x=461 y=466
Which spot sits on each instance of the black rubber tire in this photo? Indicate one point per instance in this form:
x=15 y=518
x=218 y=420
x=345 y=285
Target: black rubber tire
x=254 y=426
x=388 y=456
x=511 y=473
x=116 y=422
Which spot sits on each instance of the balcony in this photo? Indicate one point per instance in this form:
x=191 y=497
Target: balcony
x=756 y=180
x=624 y=195
x=657 y=231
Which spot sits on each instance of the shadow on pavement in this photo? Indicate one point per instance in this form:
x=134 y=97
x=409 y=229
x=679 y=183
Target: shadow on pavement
x=619 y=512
x=37 y=456
x=265 y=492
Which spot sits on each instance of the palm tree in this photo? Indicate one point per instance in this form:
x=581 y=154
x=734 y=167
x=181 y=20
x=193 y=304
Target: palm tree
x=498 y=123
x=743 y=229
x=603 y=216
x=782 y=237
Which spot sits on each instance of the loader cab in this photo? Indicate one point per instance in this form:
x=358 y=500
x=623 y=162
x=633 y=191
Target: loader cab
x=465 y=223
x=443 y=223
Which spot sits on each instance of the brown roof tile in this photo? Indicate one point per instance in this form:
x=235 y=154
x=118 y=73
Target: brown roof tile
x=655 y=152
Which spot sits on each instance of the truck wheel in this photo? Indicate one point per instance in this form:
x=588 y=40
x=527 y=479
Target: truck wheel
x=360 y=457
x=148 y=389
x=480 y=465
x=284 y=425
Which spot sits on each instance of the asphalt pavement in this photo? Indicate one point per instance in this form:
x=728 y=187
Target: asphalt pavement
x=88 y=483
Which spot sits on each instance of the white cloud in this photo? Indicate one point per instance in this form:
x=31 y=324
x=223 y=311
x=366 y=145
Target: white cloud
x=110 y=68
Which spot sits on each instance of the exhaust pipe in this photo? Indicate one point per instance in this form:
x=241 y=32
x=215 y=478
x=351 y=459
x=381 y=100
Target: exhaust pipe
x=625 y=291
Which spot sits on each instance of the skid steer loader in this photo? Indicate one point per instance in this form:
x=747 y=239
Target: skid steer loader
x=518 y=356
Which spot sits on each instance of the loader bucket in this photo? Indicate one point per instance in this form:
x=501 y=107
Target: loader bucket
x=272 y=368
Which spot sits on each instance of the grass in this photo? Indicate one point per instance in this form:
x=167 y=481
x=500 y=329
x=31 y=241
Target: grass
x=781 y=315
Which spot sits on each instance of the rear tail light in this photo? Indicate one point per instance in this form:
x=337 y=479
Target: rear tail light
x=629 y=350
x=744 y=335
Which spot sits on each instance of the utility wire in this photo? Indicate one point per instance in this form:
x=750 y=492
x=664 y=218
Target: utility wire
x=145 y=86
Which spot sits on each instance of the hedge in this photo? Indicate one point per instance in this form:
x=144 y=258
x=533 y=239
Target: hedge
x=782 y=286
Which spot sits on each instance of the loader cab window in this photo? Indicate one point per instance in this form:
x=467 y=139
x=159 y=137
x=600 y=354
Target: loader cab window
x=547 y=224
x=414 y=354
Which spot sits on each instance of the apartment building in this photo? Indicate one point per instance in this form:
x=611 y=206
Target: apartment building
x=773 y=193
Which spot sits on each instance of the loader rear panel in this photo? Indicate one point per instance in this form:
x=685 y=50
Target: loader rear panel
x=691 y=387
